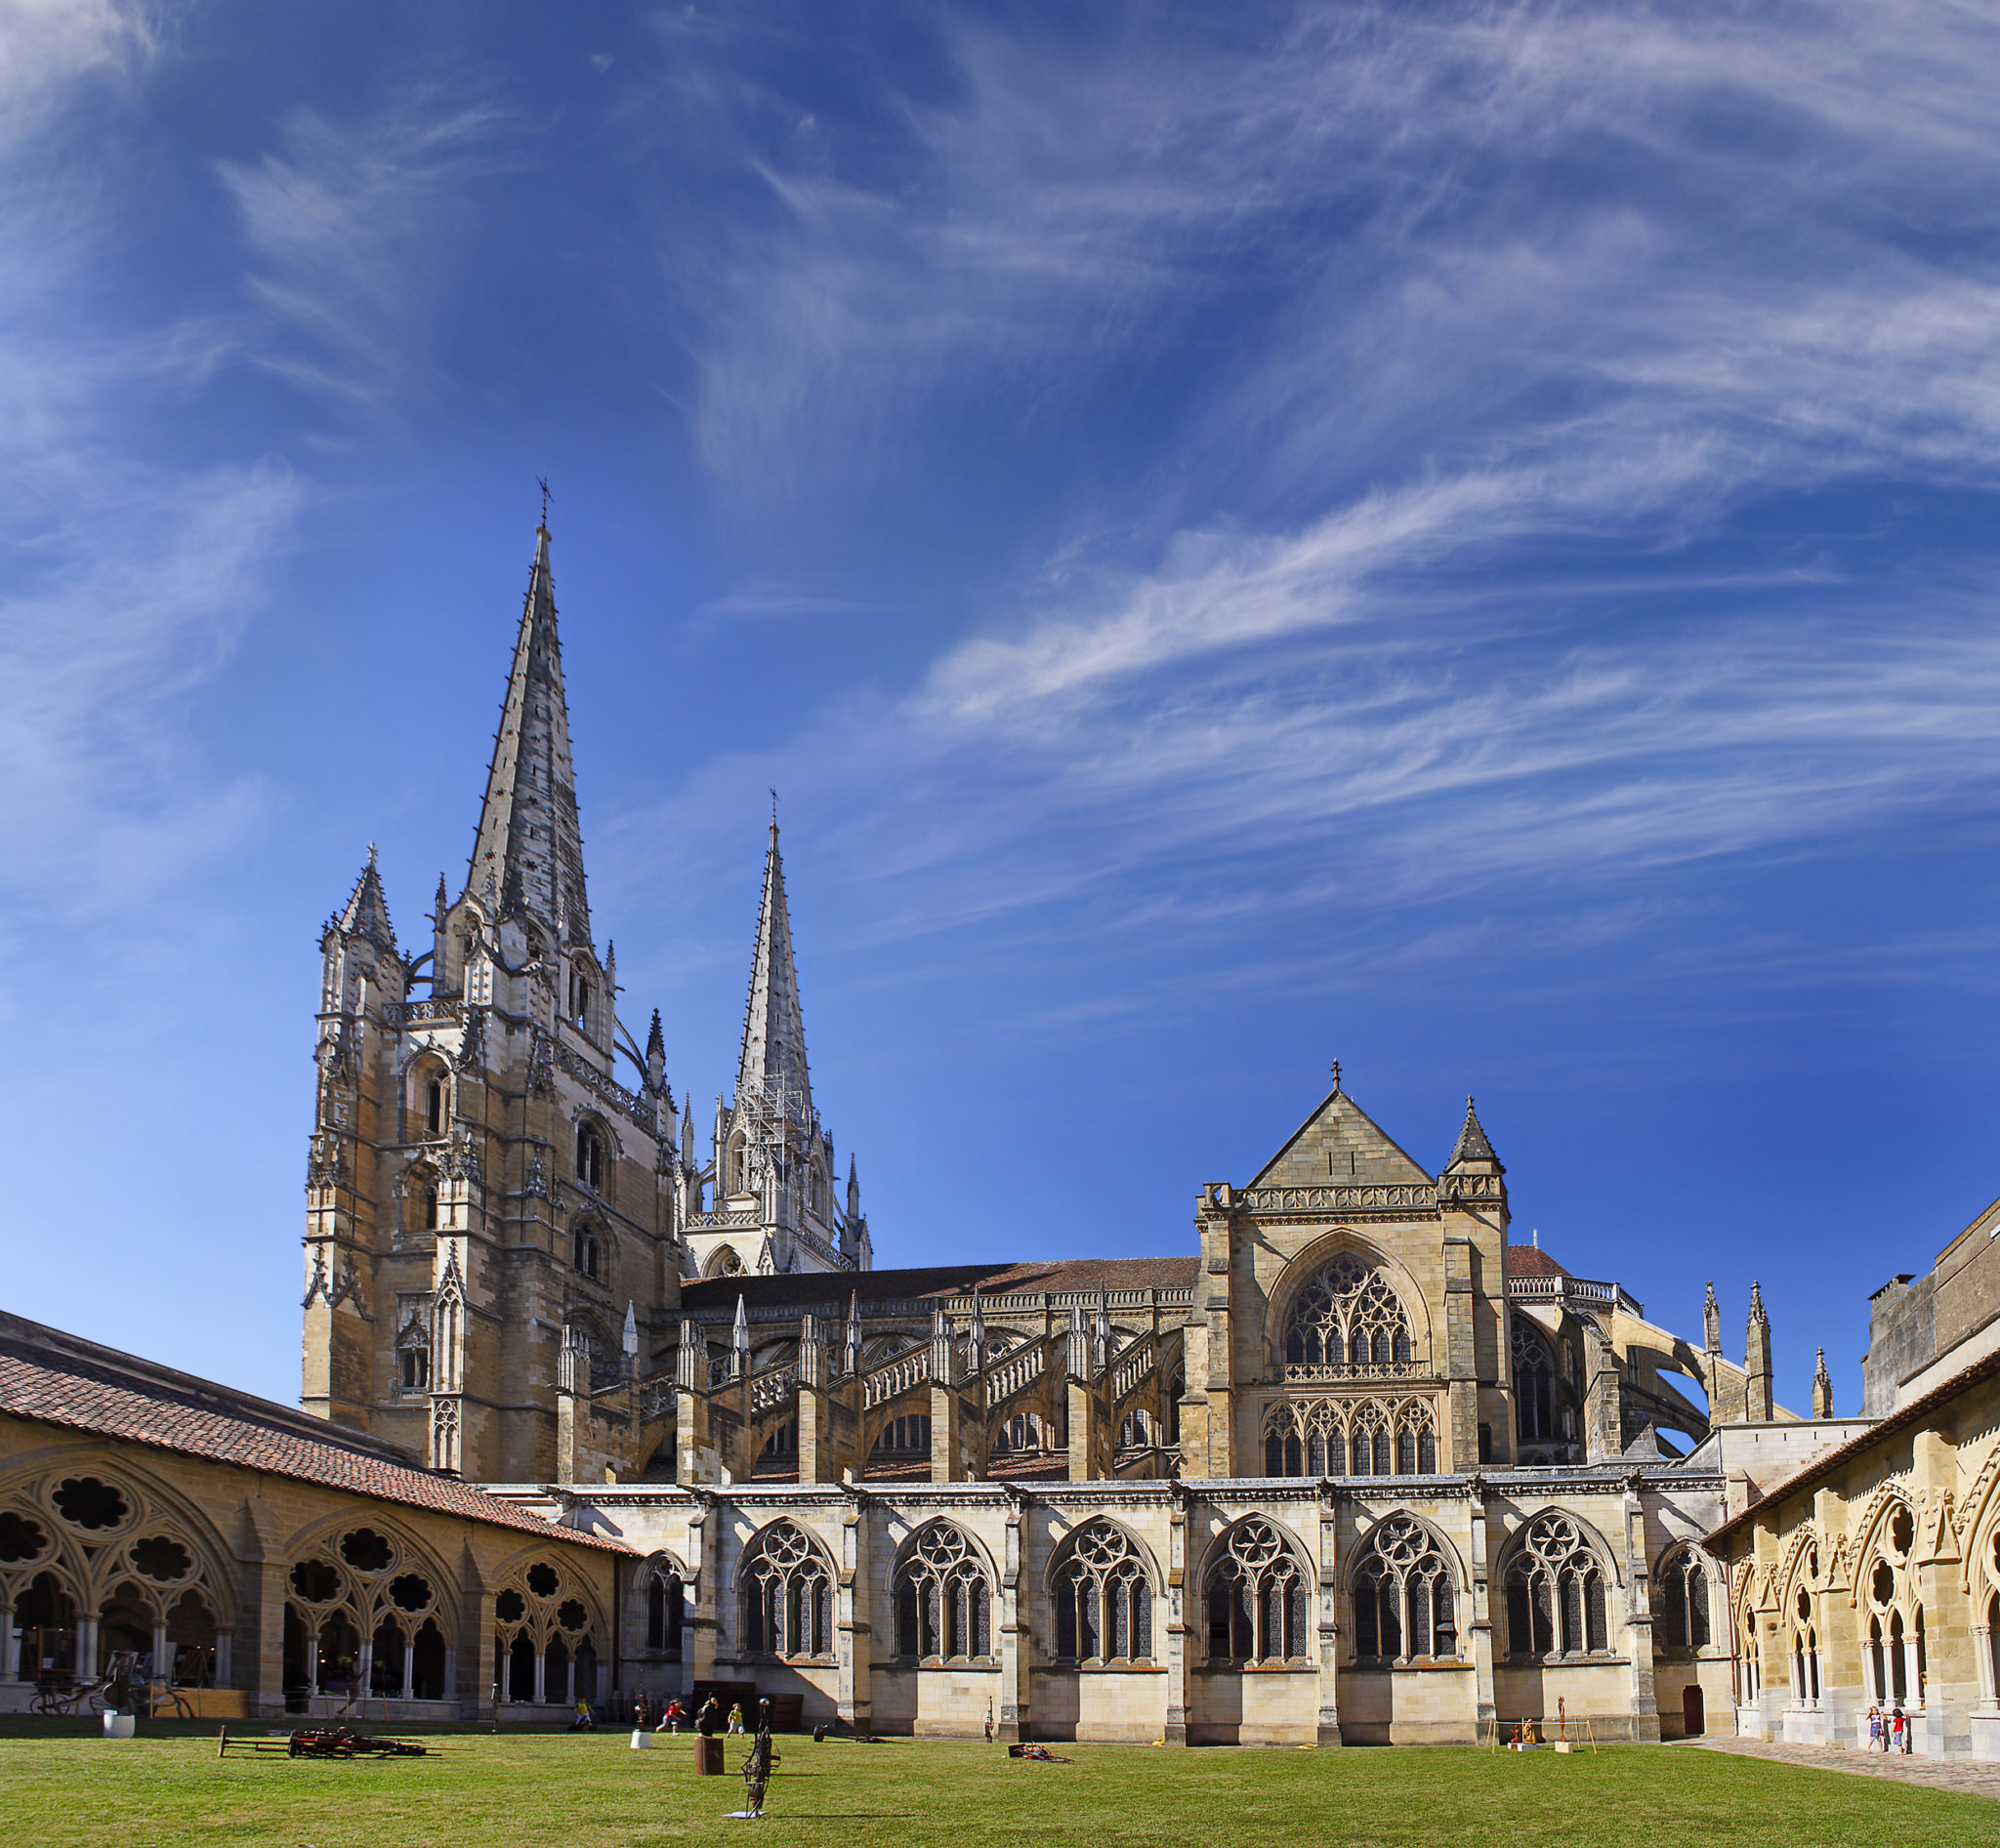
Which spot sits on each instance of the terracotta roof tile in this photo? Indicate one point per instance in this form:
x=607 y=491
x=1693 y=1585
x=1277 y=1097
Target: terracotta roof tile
x=1527 y=1260
x=56 y=1379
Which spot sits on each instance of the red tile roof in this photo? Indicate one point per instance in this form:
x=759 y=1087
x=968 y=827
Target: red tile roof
x=1527 y=1260
x=56 y=1378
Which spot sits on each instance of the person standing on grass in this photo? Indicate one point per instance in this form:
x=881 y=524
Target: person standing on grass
x=737 y=1719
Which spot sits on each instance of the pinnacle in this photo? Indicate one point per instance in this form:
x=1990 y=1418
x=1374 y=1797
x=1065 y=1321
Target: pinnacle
x=1472 y=1144
x=366 y=911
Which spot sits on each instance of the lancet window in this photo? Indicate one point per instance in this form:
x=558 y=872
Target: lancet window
x=666 y=1606
x=1682 y=1589
x=943 y=1601
x=787 y=1594
x=1104 y=1597
x=1555 y=1592
x=589 y=1157
x=1351 y=1437
x=544 y=1639
x=1347 y=1320
x=1257 y=1595
x=1404 y=1605
x=1534 y=1385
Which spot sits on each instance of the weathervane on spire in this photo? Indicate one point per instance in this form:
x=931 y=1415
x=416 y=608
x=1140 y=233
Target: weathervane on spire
x=542 y=482
x=773 y=807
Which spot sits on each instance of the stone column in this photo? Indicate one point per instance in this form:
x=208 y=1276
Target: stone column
x=1016 y=1647
x=409 y=1669
x=815 y=1456
x=1646 y=1712
x=1329 y=1618
x=1480 y=1611
x=694 y=1457
x=701 y=1625
x=1174 y=1606
x=1460 y=1357
x=855 y=1702
x=947 y=1455
x=162 y=1667
x=10 y=1640
x=1082 y=1394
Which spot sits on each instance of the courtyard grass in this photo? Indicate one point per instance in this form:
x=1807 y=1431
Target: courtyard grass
x=61 y=1788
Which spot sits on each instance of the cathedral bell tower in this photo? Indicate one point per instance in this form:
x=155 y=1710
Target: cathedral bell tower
x=486 y=1191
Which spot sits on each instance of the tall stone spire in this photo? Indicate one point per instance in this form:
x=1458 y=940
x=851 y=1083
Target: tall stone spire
x=774 y=1031
x=528 y=855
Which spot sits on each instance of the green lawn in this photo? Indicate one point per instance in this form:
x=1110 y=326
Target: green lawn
x=58 y=1789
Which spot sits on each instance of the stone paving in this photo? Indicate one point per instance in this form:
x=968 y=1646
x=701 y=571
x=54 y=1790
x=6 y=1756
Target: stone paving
x=1972 y=1777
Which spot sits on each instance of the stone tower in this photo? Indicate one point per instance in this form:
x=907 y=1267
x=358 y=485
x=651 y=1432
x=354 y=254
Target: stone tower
x=489 y=1208
x=777 y=1203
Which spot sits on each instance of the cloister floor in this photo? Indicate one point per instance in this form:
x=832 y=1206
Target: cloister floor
x=62 y=1788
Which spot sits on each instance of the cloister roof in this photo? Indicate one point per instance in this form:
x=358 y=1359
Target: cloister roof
x=61 y=1380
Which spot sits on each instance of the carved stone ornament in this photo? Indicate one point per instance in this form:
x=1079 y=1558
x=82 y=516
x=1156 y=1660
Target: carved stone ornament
x=316 y=1284
x=472 y=1044
x=537 y=1182
x=541 y=1064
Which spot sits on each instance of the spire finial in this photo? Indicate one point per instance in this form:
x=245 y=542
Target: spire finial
x=542 y=482
x=1336 y=1075
x=774 y=810
x=371 y=853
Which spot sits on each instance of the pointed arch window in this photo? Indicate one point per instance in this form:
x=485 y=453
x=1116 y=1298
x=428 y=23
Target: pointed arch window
x=1257 y=1597
x=1682 y=1587
x=787 y=1595
x=584 y=1251
x=1404 y=1605
x=666 y=1603
x=1104 y=1597
x=1347 y=1319
x=944 y=1600
x=1534 y=1383
x=589 y=1157
x=1555 y=1588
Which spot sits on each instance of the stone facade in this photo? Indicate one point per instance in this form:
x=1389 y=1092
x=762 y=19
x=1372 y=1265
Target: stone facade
x=1871 y=1576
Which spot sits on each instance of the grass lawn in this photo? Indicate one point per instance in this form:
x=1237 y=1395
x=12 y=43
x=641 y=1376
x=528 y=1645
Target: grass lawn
x=59 y=1787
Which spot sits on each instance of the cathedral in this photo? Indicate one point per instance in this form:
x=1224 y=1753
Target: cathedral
x=628 y=1412
x=1359 y=1466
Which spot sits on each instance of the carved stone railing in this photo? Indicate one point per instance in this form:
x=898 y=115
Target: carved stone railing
x=772 y=1388
x=1365 y=1369
x=426 y=1013
x=608 y=1090
x=1573 y=1289
x=1132 y=1367
x=1021 y=1368
x=898 y=1376
x=725 y=1222
x=1344 y=1199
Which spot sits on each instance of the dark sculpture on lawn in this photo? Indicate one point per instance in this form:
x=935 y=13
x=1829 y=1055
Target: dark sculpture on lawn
x=759 y=1765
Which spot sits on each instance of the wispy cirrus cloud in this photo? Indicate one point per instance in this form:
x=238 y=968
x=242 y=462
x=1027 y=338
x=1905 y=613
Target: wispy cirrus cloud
x=1415 y=300
x=353 y=226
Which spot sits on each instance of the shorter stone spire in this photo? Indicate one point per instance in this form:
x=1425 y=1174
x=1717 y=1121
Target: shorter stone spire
x=366 y=911
x=630 y=1337
x=1822 y=1389
x=1472 y=1144
x=1757 y=1389
x=740 y=1339
x=1712 y=1322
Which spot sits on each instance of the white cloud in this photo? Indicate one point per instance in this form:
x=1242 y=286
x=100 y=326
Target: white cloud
x=350 y=234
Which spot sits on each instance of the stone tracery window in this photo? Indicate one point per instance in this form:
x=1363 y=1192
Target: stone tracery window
x=943 y=1602
x=1345 y=1320
x=1895 y=1661
x=787 y=1594
x=1104 y=1597
x=1357 y=1437
x=1556 y=1591
x=544 y=1647
x=1404 y=1605
x=1257 y=1594
x=363 y=1615
x=1682 y=1589
x=88 y=1549
x=1534 y=1383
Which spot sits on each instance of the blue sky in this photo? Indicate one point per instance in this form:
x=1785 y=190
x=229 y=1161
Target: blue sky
x=1459 y=538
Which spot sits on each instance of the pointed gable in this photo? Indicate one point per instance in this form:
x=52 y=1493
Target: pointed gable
x=773 y=1027
x=529 y=853
x=1339 y=1144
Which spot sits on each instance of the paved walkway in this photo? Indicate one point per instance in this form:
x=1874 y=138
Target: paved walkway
x=1973 y=1777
